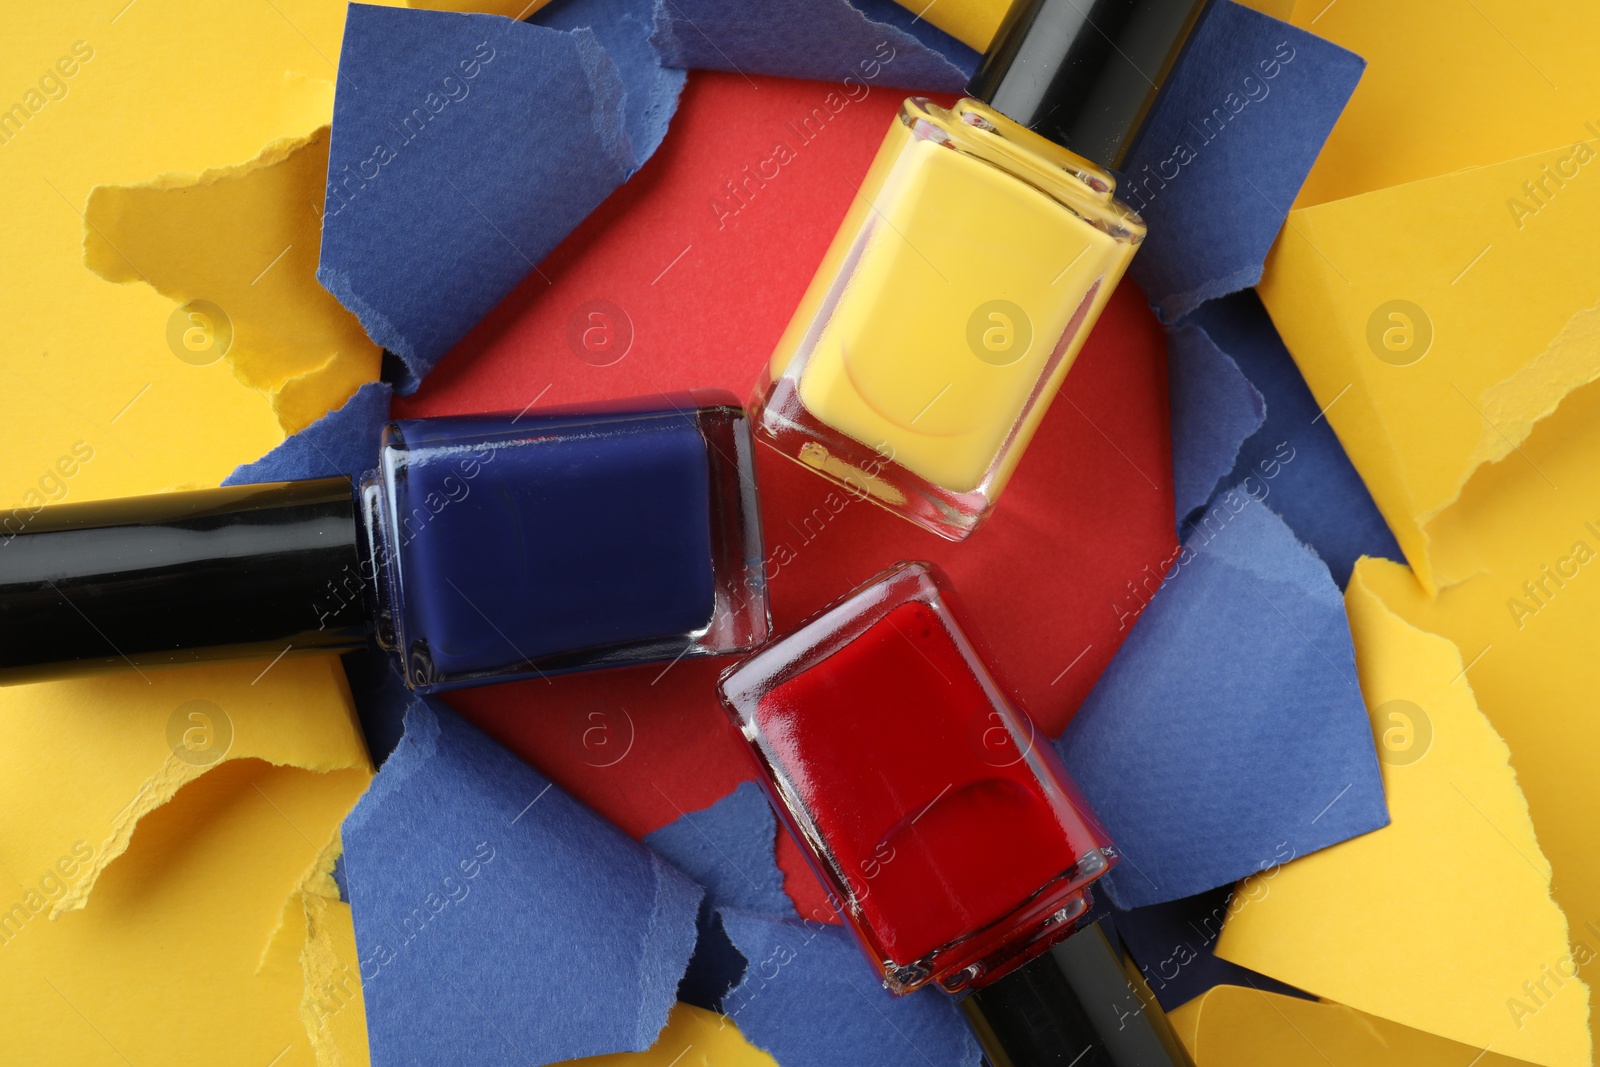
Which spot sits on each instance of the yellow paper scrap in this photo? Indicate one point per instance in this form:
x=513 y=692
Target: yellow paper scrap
x=164 y=964
x=1401 y=281
x=111 y=94
x=331 y=1005
x=693 y=1037
x=238 y=247
x=83 y=761
x=1452 y=84
x=1230 y=1026
x=1441 y=921
x=1416 y=318
x=1526 y=627
x=315 y=945
x=1499 y=297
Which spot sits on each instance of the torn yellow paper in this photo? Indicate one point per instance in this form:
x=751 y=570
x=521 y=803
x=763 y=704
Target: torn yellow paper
x=1438 y=323
x=245 y=240
x=1451 y=85
x=110 y=94
x=1230 y=1026
x=1526 y=625
x=315 y=944
x=164 y=964
x=972 y=22
x=331 y=1006
x=1500 y=546
x=693 y=1037
x=83 y=761
x=1443 y=920
x=284 y=949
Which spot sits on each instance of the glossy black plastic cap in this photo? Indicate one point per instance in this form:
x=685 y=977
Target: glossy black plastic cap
x=1084 y=73
x=1082 y=1004
x=235 y=573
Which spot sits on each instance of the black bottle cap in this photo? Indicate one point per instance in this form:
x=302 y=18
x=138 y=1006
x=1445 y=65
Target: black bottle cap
x=1084 y=73
x=1081 y=1004
x=234 y=573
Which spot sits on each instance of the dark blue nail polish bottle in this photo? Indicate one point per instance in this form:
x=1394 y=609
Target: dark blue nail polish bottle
x=566 y=540
x=480 y=549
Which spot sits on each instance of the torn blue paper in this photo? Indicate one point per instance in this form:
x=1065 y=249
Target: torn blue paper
x=862 y=44
x=716 y=966
x=344 y=441
x=1225 y=150
x=1228 y=735
x=623 y=28
x=810 y=998
x=1214 y=409
x=464 y=149
x=800 y=989
x=1294 y=463
x=728 y=849
x=381 y=698
x=1172 y=944
x=497 y=920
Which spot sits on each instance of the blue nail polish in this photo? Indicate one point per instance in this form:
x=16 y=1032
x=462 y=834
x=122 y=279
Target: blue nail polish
x=568 y=540
x=480 y=549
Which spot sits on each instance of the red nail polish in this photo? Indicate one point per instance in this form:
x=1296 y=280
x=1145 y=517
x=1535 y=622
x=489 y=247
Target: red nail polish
x=940 y=818
x=943 y=822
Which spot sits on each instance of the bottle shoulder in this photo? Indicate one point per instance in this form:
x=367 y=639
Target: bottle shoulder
x=982 y=134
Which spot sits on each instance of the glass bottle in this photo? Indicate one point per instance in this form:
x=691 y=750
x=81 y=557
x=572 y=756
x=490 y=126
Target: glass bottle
x=950 y=837
x=480 y=549
x=974 y=259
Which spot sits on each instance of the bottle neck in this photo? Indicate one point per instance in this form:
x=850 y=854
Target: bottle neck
x=1083 y=1002
x=379 y=571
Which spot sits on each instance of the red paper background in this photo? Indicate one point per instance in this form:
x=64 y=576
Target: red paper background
x=708 y=283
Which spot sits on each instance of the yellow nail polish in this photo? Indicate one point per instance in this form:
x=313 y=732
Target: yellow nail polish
x=974 y=259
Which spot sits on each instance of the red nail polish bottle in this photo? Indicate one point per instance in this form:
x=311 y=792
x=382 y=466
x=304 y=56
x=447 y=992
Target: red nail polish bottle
x=953 y=842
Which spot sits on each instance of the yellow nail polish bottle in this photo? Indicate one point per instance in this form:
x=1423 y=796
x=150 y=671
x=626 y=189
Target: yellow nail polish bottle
x=975 y=257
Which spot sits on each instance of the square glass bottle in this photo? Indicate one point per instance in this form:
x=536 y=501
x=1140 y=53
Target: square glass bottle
x=960 y=288
x=927 y=801
x=565 y=539
x=977 y=254
x=482 y=548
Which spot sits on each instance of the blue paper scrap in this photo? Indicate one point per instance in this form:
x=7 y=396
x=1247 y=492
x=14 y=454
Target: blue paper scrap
x=499 y=921
x=1294 y=463
x=623 y=28
x=464 y=148
x=1225 y=150
x=344 y=441
x=811 y=999
x=381 y=698
x=716 y=966
x=799 y=988
x=1214 y=410
x=728 y=849
x=1172 y=943
x=862 y=43
x=1228 y=735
